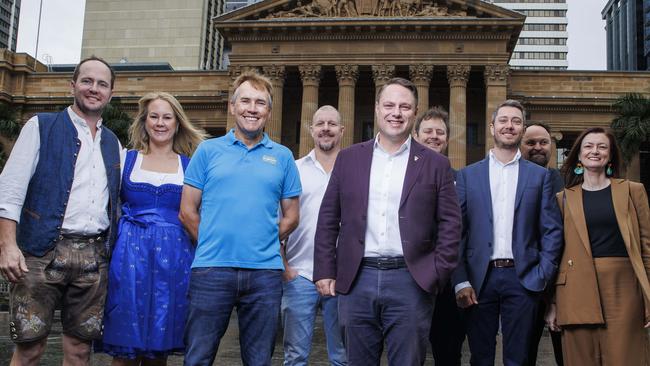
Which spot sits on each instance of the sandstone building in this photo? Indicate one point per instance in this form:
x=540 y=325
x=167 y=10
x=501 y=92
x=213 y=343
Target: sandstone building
x=339 y=52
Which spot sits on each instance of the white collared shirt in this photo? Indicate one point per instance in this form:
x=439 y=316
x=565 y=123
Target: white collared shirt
x=86 y=209
x=300 y=244
x=387 y=173
x=503 y=192
x=503 y=189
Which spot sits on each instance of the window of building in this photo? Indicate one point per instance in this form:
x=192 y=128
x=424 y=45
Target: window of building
x=544 y=27
x=543 y=41
x=530 y=1
x=539 y=55
x=538 y=67
x=544 y=13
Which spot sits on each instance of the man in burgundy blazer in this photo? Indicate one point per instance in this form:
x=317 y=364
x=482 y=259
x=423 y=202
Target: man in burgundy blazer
x=387 y=251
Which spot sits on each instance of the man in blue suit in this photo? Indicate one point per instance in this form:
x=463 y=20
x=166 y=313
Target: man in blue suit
x=511 y=243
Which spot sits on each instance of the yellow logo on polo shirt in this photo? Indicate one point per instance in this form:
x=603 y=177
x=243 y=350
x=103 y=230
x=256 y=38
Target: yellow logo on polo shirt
x=270 y=159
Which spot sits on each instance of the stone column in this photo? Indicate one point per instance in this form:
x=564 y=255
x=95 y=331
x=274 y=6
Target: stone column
x=310 y=76
x=457 y=152
x=555 y=138
x=496 y=92
x=421 y=77
x=633 y=171
x=347 y=76
x=274 y=126
x=234 y=71
x=381 y=74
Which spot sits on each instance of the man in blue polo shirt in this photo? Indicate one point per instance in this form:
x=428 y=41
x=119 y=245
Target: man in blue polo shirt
x=233 y=187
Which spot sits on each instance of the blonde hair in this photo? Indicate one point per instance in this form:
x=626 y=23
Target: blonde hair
x=187 y=137
x=259 y=82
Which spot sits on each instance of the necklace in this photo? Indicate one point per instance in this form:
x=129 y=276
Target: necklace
x=587 y=187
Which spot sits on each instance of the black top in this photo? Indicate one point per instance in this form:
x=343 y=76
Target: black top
x=557 y=180
x=604 y=235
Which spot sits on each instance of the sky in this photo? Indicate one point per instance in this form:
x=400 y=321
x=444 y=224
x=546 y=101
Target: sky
x=59 y=39
x=61 y=29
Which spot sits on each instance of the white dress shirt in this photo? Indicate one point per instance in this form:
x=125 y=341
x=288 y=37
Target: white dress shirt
x=387 y=173
x=86 y=209
x=300 y=244
x=503 y=189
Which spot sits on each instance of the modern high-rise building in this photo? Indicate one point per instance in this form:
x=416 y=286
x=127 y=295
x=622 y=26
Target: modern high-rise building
x=178 y=32
x=543 y=40
x=9 y=15
x=628 y=34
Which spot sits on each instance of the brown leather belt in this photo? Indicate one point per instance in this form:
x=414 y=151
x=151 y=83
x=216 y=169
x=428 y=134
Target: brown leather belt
x=502 y=263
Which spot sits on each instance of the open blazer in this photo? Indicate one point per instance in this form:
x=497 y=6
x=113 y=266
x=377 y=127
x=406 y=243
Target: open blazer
x=577 y=296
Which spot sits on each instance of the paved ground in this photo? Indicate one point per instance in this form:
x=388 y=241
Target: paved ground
x=228 y=354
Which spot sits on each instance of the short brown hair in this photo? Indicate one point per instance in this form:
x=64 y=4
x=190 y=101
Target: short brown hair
x=401 y=82
x=615 y=158
x=258 y=81
x=510 y=103
x=433 y=113
x=75 y=74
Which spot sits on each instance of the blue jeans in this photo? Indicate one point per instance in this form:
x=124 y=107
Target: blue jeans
x=213 y=293
x=300 y=302
x=386 y=306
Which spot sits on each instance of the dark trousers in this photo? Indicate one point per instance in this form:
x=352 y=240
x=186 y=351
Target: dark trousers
x=385 y=305
x=556 y=338
x=502 y=298
x=447 y=329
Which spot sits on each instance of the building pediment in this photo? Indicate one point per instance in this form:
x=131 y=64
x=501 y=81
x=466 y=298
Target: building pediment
x=367 y=8
x=344 y=20
x=364 y=9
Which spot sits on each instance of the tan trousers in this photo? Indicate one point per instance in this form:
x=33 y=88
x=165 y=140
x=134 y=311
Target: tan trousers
x=622 y=340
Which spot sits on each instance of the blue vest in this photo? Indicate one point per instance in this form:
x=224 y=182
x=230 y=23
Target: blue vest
x=49 y=189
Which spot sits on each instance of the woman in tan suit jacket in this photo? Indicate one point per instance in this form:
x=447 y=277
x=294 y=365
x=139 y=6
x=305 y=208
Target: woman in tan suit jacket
x=602 y=292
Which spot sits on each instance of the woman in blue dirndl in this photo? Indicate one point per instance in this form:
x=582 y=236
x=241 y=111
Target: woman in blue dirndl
x=149 y=272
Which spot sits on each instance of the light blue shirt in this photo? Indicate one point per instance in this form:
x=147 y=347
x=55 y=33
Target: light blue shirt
x=241 y=192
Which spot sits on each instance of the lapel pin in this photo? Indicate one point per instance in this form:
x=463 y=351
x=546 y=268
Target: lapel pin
x=415 y=158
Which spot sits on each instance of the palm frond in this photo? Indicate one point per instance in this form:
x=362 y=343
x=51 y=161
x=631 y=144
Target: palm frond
x=632 y=123
x=115 y=118
x=9 y=126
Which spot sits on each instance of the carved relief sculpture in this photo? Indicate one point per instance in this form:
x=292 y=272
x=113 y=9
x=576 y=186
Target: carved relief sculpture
x=380 y=8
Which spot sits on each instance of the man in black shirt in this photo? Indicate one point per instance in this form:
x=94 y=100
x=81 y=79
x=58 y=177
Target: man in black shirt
x=536 y=147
